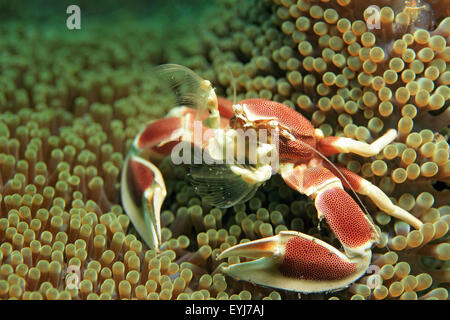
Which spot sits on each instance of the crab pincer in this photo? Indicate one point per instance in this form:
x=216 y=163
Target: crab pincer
x=143 y=192
x=297 y=262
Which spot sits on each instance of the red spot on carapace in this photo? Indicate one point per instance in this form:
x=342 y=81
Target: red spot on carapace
x=306 y=259
x=288 y=117
x=345 y=217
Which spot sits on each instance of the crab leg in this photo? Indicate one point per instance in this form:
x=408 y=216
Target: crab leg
x=348 y=222
x=143 y=189
x=161 y=135
x=225 y=108
x=362 y=186
x=332 y=145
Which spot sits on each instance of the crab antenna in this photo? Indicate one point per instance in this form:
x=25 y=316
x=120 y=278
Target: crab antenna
x=233 y=79
x=233 y=83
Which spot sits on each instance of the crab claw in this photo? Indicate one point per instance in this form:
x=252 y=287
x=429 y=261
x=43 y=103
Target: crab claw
x=296 y=262
x=143 y=192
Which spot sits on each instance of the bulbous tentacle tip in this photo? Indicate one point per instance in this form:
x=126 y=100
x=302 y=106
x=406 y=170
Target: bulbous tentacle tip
x=296 y=262
x=443 y=28
x=143 y=192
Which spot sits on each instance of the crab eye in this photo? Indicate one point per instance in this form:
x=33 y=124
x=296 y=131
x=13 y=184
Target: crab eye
x=237 y=108
x=233 y=122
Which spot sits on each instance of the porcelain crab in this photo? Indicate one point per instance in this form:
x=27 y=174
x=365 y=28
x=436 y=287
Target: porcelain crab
x=289 y=260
